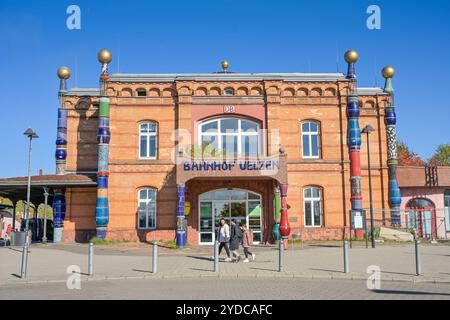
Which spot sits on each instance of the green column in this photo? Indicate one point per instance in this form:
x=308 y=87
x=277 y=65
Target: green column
x=276 y=227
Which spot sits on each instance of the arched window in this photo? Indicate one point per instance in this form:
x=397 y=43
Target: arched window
x=148 y=139
x=312 y=204
x=230 y=137
x=310 y=140
x=141 y=92
x=147 y=209
x=419 y=203
x=229 y=92
x=422 y=217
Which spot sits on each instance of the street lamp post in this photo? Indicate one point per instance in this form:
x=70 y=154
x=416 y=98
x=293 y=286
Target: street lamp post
x=30 y=134
x=367 y=130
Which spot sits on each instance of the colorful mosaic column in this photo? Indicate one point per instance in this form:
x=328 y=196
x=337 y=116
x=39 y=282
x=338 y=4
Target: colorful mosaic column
x=59 y=213
x=354 y=134
x=285 y=228
x=103 y=138
x=276 y=227
x=390 y=120
x=61 y=135
x=181 y=223
x=59 y=200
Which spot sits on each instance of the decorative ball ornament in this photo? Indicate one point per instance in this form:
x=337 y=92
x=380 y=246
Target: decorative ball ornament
x=388 y=72
x=351 y=56
x=225 y=65
x=63 y=73
x=104 y=56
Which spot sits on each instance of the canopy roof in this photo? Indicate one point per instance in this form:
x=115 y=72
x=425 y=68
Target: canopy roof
x=16 y=188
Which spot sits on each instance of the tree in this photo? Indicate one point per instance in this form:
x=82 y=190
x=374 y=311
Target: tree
x=406 y=157
x=442 y=156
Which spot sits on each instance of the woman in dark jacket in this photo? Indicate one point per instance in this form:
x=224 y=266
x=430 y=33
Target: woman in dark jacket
x=235 y=240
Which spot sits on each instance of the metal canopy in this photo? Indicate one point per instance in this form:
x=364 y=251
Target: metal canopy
x=16 y=188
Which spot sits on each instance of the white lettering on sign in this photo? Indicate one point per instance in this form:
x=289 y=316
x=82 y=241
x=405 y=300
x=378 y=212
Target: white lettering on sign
x=229 y=109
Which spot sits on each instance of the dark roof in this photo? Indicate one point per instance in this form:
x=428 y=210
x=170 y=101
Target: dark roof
x=16 y=188
x=423 y=176
x=51 y=180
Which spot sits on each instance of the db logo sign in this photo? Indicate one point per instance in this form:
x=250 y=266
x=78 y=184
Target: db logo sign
x=229 y=109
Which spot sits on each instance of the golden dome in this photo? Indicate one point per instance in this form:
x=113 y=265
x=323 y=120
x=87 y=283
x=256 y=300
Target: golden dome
x=104 y=56
x=225 y=65
x=388 y=72
x=351 y=56
x=63 y=73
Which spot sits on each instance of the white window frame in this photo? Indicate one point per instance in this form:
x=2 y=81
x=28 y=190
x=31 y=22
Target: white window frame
x=309 y=134
x=148 y=135
x=239 y=134
x=147 y=201
x=312 y=200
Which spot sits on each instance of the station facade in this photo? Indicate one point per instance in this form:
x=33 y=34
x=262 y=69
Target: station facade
x=174 y=153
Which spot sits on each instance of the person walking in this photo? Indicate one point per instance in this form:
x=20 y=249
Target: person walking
x=223 y=235
x=247 y=241
x=235 y=240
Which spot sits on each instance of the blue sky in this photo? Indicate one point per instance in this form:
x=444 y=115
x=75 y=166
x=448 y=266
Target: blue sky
x=194 y=36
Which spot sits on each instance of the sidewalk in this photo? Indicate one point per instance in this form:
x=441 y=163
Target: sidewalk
x=48 y=263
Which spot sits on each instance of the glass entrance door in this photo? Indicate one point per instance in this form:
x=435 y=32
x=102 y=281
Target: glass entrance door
x=242 y=205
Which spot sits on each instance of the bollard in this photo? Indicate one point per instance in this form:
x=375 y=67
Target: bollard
x=216 y=256
x=281 y=255
x=346 y=269
x=155 y=257
x=23 y=270
x=91 y=259
x=418 y=264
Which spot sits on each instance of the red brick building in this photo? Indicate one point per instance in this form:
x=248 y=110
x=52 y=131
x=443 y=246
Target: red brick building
x=155 y=116
x=169 y=130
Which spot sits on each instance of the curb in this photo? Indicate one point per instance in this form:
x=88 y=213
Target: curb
x=160 y=276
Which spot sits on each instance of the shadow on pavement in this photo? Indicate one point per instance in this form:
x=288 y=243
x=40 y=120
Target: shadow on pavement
x=315 y=269
x=138 y=270
x=264 y=269
x=197 y=269
x=411 y=292
x=202 y=258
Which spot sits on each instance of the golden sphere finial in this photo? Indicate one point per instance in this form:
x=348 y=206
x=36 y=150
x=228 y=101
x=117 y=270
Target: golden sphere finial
x=104 y=56
x=351 y=56
x=388 y=72
x=225 y=65
x=63 y=73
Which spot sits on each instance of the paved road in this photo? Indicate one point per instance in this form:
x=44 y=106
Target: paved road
x=218 y=289
x=396 y=263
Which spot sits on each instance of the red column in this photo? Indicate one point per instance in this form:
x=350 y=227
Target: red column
x=285 y=229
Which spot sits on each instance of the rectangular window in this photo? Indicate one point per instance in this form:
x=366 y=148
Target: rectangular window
x=143 y=147
x=308 y=214
x=312 y=207
x=310 y=140
x=148 y=140
x=305 y=142
x=315 y=146
x=152 y=147
x=249 y=146
x=147 y=209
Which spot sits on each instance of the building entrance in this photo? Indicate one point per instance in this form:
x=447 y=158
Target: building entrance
x=242 y=205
